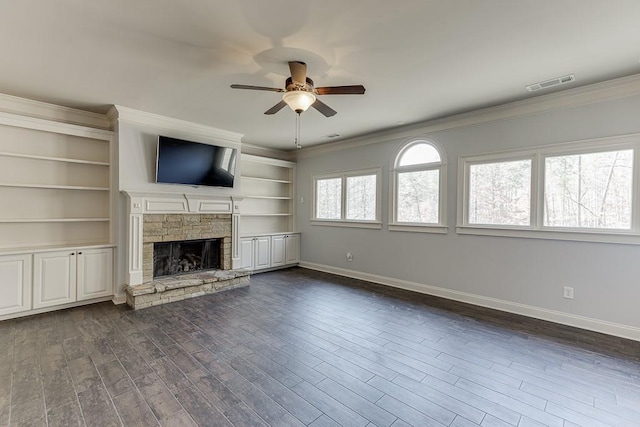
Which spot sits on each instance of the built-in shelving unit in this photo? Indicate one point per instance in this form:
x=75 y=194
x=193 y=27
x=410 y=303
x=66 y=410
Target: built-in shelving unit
x=56 y=210
x=268 y=196
x=55 y=185
x=267 y=221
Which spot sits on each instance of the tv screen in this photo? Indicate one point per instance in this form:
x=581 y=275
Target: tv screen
x=194 y=163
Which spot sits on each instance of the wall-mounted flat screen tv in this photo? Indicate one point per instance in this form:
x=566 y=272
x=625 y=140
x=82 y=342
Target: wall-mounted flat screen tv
x=194 y=163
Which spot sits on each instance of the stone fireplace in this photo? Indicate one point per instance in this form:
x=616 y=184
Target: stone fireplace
x=196 y=245
x=179 y=228
x=186 y=256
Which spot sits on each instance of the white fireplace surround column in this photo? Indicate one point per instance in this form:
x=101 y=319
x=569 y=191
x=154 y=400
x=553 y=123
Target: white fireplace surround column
x=140 y=204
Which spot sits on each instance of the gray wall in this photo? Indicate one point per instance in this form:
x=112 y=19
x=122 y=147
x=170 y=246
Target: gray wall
x=526 y=271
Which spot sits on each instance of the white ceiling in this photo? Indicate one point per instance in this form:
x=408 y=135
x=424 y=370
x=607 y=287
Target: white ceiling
x=418 y=59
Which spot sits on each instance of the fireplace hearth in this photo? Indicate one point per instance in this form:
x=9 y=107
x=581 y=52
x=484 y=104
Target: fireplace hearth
x=186 y=256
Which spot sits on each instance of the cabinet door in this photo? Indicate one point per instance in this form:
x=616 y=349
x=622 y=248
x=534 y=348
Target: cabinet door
x=15 y=283
x=95 y=273
x=54 y=278
x=262 y=254
x=278 y=250
x=292 y=255
x=246 y=253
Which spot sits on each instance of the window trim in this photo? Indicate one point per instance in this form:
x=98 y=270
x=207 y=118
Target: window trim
x=537 y=229
x=394 y=225
x=463 y=215
x=343 y=221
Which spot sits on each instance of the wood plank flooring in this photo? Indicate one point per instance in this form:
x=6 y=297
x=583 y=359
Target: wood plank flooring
x=298 y=348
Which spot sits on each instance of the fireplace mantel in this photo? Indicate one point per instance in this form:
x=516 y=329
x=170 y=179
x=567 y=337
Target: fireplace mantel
x=140 y=204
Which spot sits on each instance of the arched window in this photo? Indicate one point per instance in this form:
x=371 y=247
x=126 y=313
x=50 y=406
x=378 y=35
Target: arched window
x=418 y=186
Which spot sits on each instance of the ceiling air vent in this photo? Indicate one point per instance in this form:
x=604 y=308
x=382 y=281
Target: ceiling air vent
x=550 y=83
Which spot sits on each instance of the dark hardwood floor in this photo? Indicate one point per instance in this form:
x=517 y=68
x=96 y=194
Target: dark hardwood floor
x=299 y=347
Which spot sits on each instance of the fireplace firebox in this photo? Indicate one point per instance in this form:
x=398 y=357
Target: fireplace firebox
x=187 y=256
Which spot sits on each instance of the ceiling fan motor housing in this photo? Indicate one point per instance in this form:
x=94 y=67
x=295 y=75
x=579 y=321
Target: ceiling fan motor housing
x=291 y=85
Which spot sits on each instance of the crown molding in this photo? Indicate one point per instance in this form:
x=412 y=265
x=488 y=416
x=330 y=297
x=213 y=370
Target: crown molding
x=35 y=123
x=267 y=160
x=119 y=114
x=599 y=92
x=257 y=150
x=57 y=113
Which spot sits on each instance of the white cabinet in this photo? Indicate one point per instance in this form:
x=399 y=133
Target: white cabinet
x=94 y=273
x=255 y=252
x=246 y=253
x=54 y=278
x=63 y=277
x=292 y=249
x=15 y=283
x=285 y=249
x=278 y=250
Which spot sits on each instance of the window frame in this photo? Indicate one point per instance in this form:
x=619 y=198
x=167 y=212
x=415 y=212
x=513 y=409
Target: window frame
x=489 y=159
x=343 y=221
x=394 y=225
x=537 y=229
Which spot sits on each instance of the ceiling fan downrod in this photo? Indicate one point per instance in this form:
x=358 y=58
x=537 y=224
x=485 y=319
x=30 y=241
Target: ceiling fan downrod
x=297 y=137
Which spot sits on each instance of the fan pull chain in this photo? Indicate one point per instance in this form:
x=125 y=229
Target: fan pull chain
x=297 y=138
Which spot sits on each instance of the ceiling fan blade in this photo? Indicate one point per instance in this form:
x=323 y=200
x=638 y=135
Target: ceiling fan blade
x=279 y=106
x=271 y=89
x=298 y=71
x=341 y=90
x=324 y=108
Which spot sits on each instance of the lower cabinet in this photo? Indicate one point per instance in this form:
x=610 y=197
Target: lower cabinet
x=94 y=270
x=269 y=251
x=255 y=252
x=15 y=283
x=72 y=275
x=285 y=249
x=54 y=278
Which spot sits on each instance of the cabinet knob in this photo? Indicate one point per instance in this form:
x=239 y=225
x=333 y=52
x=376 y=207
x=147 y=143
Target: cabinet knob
x=73 y=253
x=79 y=253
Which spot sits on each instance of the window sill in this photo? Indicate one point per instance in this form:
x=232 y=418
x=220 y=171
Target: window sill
x=619 y=237
x=419 y=228
x=350 y=224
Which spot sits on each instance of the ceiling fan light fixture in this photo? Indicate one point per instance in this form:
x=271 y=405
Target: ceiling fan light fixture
x=299 y=100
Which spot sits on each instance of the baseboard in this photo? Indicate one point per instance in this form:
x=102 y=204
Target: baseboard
x=54 y=308
x=609 y=328
x=119 y=299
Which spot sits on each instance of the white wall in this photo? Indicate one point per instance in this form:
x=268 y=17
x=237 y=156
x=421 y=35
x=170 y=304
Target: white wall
x=136 y=149
x=137 y=161
x=515 y=274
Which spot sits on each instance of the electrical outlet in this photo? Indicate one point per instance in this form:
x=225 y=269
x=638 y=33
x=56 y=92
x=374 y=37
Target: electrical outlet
x=568 y=292
x=349 y=256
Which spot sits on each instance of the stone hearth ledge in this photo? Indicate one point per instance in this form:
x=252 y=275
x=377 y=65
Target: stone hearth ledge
x=178 y=288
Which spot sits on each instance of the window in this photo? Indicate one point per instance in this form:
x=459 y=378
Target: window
x=361 y=197
x=329 y=198
x=571 y=191
x=350 y=197
x=500 y=193
x=418 y=178
x=591 y=190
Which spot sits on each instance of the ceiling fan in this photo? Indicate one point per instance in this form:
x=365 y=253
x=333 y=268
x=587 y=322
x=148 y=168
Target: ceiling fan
x=300 y=94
